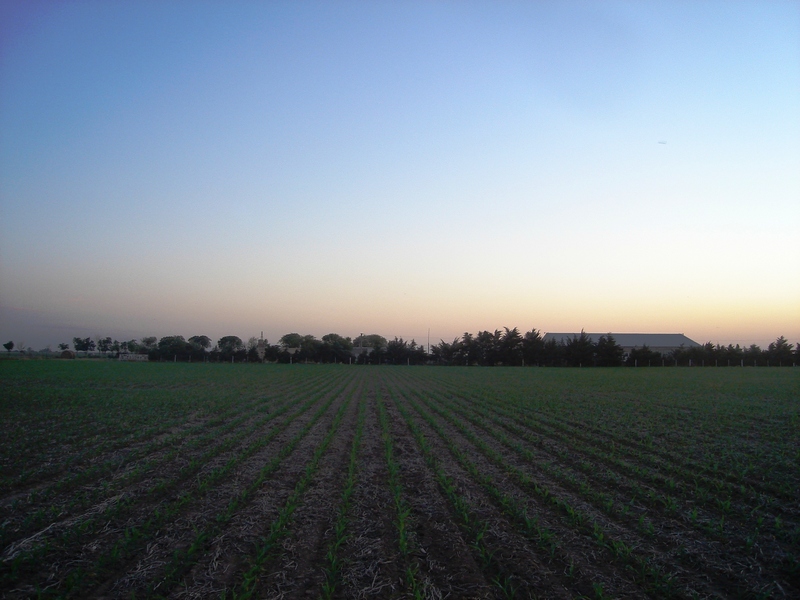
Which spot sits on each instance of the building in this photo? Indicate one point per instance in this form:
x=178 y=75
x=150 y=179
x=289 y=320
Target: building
x=657 y=342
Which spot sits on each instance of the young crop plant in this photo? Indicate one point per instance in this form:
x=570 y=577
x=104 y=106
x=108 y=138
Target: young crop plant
x=669 y=487
x=116 y=509
x=474 y=528
x=694 y=495
x=190 y=439
x=676 y=467
x=655 y=578
x=72 y=463
x=736 y=523
x=401 y=507
x=182 y=560
x=649 y=496
x=333 y=564
x=278 y=528
x=146 y=481
x=147 y=458
x=135 y=537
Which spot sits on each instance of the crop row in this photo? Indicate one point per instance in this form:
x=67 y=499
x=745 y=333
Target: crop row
x=345 y=482
x=135 y=537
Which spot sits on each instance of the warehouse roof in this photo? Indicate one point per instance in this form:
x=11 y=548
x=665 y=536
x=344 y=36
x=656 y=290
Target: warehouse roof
x=633 y=340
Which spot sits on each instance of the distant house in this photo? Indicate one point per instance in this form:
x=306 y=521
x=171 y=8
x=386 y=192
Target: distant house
x=132 y=357
x=657 y=342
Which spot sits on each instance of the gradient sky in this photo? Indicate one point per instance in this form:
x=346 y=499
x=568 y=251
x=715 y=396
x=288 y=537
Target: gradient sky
x=223 y=168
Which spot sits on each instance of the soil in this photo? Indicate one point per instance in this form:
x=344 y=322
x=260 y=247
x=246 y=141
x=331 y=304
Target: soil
x=149 y=527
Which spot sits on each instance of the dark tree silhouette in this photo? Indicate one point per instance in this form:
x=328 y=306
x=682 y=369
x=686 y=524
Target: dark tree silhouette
x=579 y=351
x=533 y=352
x=780 y=352
x=608 y=352
x=83 y=344
x=202 y=342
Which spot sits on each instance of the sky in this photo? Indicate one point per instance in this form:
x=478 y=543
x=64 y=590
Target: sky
x=227 y=168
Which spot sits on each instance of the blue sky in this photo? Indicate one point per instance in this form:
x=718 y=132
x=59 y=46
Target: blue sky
x=226 y=168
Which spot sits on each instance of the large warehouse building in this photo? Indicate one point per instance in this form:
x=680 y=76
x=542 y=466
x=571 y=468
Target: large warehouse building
x=658 y=342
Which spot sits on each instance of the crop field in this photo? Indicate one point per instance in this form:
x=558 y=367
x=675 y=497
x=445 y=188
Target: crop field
x=170 y=480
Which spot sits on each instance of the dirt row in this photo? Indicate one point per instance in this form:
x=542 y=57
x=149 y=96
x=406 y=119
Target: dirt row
x=699 y=564
x=573 y=566
x=629 y=484
x=486 y=521
x=78 y=555
x=132 y=471
x=101 y=453
x=574 y=438
x=656 y=455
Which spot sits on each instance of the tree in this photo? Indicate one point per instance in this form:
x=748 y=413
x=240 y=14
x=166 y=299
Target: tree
x=230 y=344
x=335 y=338
x=104 y=344
x=553 y=353
x=397 y=351
x=752 y=355
x=378 y=355
x=704 y=356
x=252 y=351
x=417 y=354
x=510 y=350
x=445 y=353
x=231 y=347
x=336 y=348
x=84 y=344
x=609 y=352
x=271 y=351
x=486 y=347
x=201 y=342
x=679 y=355
x=129 y=346
x=174 y=346
x=9 y=346
x=291 y=340
x=533 y=347
x=732 y=354
x=467 y=350
x=310 y=348
x=337 y=342
x=149 y=343
x=643 y=357
x=779 y=352
x=579 y=350
x=63 y=347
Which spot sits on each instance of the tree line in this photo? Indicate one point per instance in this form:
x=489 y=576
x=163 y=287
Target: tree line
x=511 y=348
x=506 y=347
x=292 y=347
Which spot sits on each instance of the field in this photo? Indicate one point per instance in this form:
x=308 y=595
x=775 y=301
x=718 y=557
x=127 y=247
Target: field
x=303 y=481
